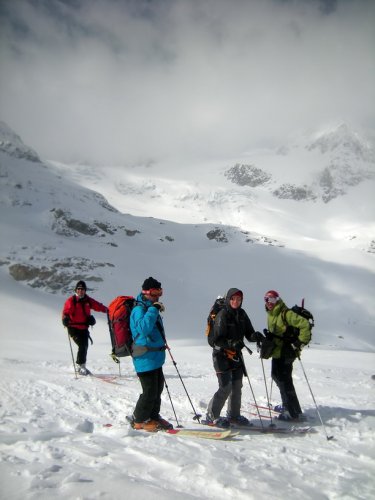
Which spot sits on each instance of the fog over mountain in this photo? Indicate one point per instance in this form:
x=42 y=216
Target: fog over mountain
x=111 y=81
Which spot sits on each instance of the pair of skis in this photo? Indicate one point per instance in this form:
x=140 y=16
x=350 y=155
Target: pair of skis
x=218 y=434
x=268 y=429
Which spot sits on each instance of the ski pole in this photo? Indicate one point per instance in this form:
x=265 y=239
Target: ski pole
x=251 y=387
x=268 y=399
x=271 y=390
x=170 y=399
x=196 y=415
x=71 y=351
x=265 y=385
x=316 y=406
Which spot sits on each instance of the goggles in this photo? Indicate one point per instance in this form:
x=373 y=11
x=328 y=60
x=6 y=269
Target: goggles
x=271 y=300
x=80 y=288
x=153 y=292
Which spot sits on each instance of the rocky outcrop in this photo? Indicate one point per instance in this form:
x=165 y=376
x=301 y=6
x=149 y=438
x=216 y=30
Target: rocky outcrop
x=217 y=234
x=292 y=192
x=247 y=175
x=58 y=276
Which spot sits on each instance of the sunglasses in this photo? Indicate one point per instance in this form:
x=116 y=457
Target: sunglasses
x=80 y=289
x=271 y=300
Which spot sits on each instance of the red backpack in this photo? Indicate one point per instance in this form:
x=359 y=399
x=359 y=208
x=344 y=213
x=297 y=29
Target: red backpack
x=119 y=311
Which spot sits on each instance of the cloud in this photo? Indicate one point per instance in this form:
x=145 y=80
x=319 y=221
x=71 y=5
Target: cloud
x=115 y=81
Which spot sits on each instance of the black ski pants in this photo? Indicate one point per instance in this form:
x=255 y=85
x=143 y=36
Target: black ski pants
x=81 y=338
x=281 y=372
x=229 y=375
x=148 y=404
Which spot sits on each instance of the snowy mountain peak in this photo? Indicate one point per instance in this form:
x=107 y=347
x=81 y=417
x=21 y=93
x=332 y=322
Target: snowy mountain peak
x=12 y=144
x=342 y=138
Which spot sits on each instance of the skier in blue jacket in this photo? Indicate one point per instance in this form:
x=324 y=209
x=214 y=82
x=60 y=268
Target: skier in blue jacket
x=149 y=346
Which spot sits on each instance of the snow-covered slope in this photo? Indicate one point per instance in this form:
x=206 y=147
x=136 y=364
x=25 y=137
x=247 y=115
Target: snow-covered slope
x=53 y=441
x=312 y=194
x=57 y=231
x=13 y=145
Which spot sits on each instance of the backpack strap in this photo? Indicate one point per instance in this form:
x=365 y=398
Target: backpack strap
x=283 y=316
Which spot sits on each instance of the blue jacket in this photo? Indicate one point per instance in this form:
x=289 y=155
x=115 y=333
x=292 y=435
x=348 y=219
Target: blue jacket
x=146 y=326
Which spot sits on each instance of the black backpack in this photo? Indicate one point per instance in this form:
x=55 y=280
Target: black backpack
x=292 y=332
x=217 y=306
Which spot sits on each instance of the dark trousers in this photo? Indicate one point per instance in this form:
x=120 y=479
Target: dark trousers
x=230 y=388
x=148 y=404
x=281 y=373
x=81 y=338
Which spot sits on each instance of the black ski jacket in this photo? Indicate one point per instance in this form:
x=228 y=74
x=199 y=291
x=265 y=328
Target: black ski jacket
x=232 y=324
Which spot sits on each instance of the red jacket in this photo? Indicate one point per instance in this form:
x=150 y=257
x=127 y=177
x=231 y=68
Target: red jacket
x=79 y=311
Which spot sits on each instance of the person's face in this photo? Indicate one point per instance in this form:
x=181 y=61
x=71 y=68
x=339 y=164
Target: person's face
x=80 y=292
x=270 y=302
x=235 y=301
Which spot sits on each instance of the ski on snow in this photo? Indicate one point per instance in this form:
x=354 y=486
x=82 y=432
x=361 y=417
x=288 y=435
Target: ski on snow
x=195 y=433
x=266 y=408
x=266 y=412
x=111 y=379
x=214 y=434
x=267 y=429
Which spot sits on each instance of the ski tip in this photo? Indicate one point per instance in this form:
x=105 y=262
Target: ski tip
x=209 y=434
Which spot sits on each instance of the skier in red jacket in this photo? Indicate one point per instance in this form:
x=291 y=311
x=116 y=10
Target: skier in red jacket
x=77 y=317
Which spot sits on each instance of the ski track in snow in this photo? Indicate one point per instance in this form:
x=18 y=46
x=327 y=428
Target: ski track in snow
x=53 y=442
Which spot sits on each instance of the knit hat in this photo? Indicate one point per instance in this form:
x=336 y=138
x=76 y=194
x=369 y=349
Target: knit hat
x=80 y=284
x=150 y=283
x=271 y=293
x=238 y=293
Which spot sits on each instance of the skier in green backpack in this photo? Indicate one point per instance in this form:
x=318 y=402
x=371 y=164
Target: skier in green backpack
x=289 y=332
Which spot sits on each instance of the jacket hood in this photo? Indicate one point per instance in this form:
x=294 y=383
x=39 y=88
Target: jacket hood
x=229 y=294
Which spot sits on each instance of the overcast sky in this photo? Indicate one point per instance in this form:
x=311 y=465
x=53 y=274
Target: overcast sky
x=113 y=81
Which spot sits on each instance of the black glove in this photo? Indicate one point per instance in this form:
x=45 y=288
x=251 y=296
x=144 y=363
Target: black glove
x=259 y=337
x=159 y=306
x=297 y=344
x=91 y=320
x=237 y=345
x=66 y=320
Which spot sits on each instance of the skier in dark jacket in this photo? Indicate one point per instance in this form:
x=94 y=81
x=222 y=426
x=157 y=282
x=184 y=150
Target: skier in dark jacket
x=76 y=316
x=232 y=325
